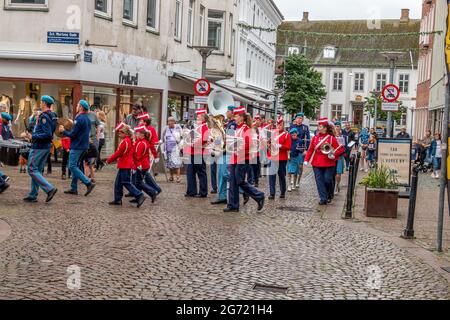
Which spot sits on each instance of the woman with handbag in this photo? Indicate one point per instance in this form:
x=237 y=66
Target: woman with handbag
x=171 y=139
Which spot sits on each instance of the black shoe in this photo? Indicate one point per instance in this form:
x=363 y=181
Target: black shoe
x=256 y=185
x=200 y=196
x=72 y=192
x=90 y=188
x=133 y=201
x=271 y=197
x=323 y=203
x=30 y=200
x=190 y=196
x=261 y=204
x=214 y=203
x=228 y=210
x=283 y=196
x=153 y=197
x=246 y=199
x=214 y=192
x=140 y=201
x=329 y=201
x=128 y=195
x=50 y=195
x=114 y=203
x=4 y=188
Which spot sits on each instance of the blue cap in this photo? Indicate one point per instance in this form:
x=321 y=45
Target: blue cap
x=6 y=116
x=300 y=114
x=338 y=123
x=85 y=104
x=48 y=100
x=293 y=130
x=231 y=108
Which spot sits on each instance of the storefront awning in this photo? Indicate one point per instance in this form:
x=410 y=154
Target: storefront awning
x=243 y=92
x=39 y=56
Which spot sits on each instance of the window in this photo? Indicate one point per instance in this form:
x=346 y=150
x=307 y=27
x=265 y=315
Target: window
x=103 y=8
x=153 y=15
x=190 y=30
x=216 y=34
x=248 y=66
x=359 y=82
x=202 y=26
x=26 y=4
x=130 y=11
x=230 y=22
x=381 y=81
x=178 y=19
x=404 y=83
x=329 y=53
x=338 y=81
x=336 y=111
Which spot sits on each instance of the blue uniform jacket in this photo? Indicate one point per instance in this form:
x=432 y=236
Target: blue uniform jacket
x=304 y=135
x=231 y=127
x=296 y=144
x=6 y=132
x=79 y=136
x=42 y=135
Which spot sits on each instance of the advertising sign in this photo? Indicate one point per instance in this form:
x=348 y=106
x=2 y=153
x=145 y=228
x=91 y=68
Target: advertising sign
x=395 y=154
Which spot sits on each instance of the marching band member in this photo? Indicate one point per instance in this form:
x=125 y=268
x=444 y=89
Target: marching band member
x=5 y=129
x=304 y=137
x=141 y=156
x=239 y=165
x=255 y=167
x=125 y=162
x=196 y=165
x=79 y=144
x=223 y=175
x=278 y=162
x=42 y=137
x=340 y=163
x=323 y=163
x=295 y=157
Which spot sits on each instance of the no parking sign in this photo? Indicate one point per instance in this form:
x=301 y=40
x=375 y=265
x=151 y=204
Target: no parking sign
x=391 y=93
x=202 y=87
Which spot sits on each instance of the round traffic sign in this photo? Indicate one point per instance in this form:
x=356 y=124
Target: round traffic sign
x=391 y=93
x=202 y=87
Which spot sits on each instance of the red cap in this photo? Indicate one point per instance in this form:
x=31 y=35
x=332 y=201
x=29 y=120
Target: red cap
x=140 y=129
x=280 y=119
x=323 y=121
x=257 y=117
x=200 y=111
x=240 y=110
x=120 y=126
x=144 y=116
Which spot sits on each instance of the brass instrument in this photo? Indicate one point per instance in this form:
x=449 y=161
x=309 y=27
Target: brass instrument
x=66 y=123
x=217 y=135
x=328 y=150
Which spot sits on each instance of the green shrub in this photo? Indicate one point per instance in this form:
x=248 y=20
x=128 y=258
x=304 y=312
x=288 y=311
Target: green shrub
x=380 y=178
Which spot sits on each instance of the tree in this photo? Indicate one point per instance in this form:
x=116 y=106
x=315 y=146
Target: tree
x=301 y=84
x=383 y=115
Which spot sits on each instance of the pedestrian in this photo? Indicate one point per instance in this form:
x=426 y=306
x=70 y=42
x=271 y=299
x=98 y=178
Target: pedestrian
x=42 y=137
x=101 y=139
x=403 y=134
x=141 y=157
x=91 y=155
x=294 y=158
x=349 y=136
x=364 y=144
x=371 y=151
x=65 y=142
x=5 y=126
x=278 y=148
x=340 y=162
x=304 y=140
x=322 y=161
x=133 y=120
x=125 y=162
x=436 y=153
x=196 y=151
x=79 y=144
x=223 y=173
x=171 y=139
x=239 y=164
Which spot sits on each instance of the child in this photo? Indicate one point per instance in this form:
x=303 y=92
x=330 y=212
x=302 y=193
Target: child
x=295 y=159
x=371 y=150
x=436 y=152
x=340 y=163
x=124 y=158
x=142 y=162
x=65 y=142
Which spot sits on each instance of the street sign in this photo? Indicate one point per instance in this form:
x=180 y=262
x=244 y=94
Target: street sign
x=202 y=87
x=388 y=106
x=391 y=93
x=63 y=37
x=201 y=99
x=88 y=56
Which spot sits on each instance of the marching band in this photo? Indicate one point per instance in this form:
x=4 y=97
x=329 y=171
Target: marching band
x=236 y=143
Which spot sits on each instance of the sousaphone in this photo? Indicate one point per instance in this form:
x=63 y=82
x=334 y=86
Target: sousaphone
x=66 y=123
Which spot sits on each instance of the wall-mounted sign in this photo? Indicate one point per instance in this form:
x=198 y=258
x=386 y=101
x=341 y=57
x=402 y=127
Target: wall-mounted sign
x=201 y=99
x=395 y=154
x=88 y=56
x=128 y=79
x=63 y=37
x=388 y=106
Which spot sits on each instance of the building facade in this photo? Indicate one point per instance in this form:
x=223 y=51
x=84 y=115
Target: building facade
x=115 y=53
x=353 y=67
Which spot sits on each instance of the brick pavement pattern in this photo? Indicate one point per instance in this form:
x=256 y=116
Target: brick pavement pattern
x=186 y=249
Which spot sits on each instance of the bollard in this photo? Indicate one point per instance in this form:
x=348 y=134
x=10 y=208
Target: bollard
x=409 y=231
x=350 y=188
x=356 y=170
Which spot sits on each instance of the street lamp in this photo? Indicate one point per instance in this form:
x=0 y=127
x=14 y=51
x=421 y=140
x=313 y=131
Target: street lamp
x=392 y=57
x=377 y=95
x=205 y=52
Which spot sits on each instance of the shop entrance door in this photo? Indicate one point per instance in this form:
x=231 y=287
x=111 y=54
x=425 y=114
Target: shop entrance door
x=358 y=114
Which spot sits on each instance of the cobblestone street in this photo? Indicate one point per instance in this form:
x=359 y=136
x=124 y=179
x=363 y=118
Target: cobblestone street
x=187 y=249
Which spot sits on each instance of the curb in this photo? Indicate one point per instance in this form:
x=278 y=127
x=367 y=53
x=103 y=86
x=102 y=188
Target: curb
x=5 y=230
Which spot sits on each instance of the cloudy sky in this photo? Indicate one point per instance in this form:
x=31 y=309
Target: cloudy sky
x=348 y=9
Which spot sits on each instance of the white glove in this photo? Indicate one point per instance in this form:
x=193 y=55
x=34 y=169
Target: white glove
x=140 y=168
x=278 y=146
x=306 y=164
x=157 y=160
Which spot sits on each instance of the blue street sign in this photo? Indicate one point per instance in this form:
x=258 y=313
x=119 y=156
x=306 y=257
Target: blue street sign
x=63 y=37
x=88 y=56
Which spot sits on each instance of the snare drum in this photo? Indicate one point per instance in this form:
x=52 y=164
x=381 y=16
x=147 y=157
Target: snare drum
x=12 y=154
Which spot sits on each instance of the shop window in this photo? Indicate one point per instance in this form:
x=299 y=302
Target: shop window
x=103 y=8
x=153 y=15
x=130 y=12
x=216 y=34
x=26 y=4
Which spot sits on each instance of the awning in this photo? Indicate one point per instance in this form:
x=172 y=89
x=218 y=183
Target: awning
x=39 y=56
x=243 y=92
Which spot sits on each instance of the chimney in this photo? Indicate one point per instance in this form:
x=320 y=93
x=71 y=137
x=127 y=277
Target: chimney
x=405 y=15
x=305 y=17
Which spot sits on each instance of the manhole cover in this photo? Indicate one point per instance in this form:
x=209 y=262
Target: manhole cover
x=270 y=288
x=296 y=209
x=446 y=269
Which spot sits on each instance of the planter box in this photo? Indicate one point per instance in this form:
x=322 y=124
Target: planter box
x=381 y=203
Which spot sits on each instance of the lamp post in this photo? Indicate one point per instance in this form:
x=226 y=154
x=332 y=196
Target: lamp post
x=377 y=96
x=205 y=52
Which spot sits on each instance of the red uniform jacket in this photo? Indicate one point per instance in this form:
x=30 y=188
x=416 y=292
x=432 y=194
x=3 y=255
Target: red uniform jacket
x=123 y=155
x=154 y=140
x=315 y=155
x=200 y=144
x=141 y=154
x=242 y=147
x=284 y=139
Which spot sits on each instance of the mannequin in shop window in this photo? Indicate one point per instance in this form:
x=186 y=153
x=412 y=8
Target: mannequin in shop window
x=5 y=102
x=26 y=105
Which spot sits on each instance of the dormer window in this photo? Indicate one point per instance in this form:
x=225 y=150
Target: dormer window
x=329 y=52
x=294 y=50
